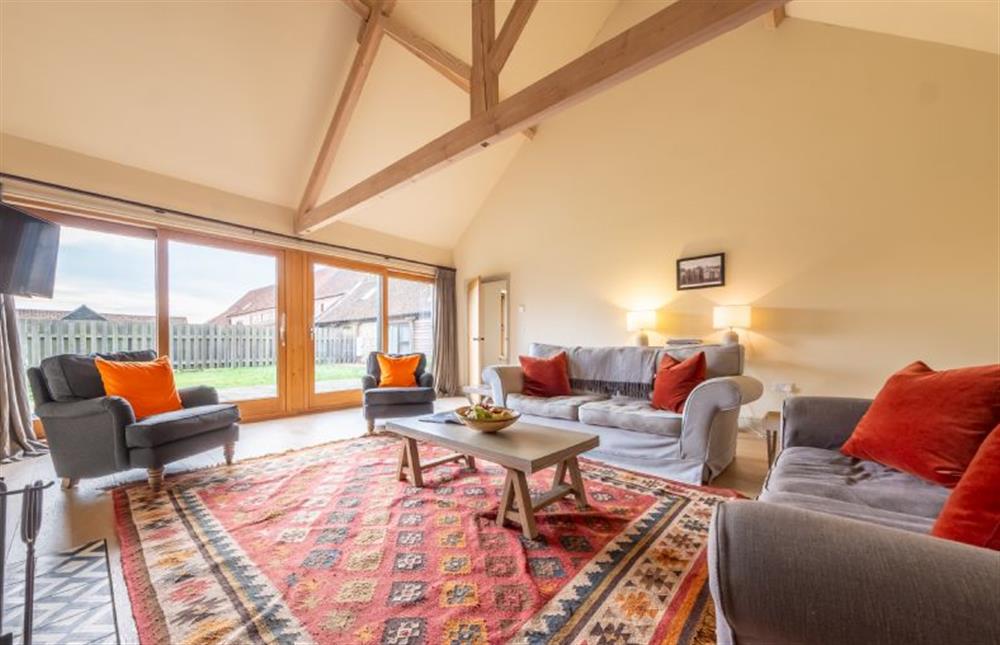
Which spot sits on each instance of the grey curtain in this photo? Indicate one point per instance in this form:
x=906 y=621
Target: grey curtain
x=17 y=436
x=445 y=334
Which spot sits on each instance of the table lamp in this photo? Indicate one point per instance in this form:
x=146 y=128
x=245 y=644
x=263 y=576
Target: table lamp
x=640 y=321
x=728 y=317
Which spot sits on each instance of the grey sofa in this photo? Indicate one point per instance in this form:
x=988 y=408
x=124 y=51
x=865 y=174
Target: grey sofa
x=837 y=550
x=91 y=434
x=394 y=402
x=693 y=447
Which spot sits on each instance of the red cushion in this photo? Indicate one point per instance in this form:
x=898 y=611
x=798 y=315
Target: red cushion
x=675 y=380
x=972 y=512
x=546 y=376
x=929 y=423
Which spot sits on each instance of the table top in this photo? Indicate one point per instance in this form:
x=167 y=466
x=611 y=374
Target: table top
x=526 y=447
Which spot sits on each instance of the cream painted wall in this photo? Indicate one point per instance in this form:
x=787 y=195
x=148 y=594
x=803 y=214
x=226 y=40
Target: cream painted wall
x=38 y=161
x=851 y=178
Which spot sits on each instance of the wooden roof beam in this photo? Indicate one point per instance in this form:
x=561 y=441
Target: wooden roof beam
x=485 y=90
x=774 y=18
x=669 y=32
x=349 y=96
x=516 y=20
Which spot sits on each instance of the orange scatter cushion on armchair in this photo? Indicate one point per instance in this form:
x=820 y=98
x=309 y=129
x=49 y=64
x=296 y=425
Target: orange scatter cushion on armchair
x=546 y=376
x=972 y=512
x=148 y=386
x=398 y=371
x=929 y=423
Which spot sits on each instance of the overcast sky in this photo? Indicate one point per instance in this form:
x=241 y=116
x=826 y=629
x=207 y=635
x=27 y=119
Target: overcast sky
x=115 y=274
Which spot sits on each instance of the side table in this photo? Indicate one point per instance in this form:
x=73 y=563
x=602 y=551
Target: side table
x=772 y=428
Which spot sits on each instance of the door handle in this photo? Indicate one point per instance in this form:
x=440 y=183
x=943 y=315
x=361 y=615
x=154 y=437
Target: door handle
x=478 y=338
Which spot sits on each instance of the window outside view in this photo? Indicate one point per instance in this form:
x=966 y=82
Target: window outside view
x=346 y=325
x=223 y=321
x=104 y=299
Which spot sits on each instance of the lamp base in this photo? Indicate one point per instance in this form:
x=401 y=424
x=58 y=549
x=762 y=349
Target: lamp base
x=642 y=340
x=730 y=338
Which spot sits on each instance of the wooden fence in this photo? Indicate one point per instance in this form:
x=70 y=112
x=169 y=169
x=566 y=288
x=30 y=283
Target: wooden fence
x=192 y=347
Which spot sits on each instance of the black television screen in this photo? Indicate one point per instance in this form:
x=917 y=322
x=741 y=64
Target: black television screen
x=29 y=246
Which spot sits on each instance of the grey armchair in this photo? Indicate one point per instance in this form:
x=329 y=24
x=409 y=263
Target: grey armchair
x=91 y=434
x=395 y=402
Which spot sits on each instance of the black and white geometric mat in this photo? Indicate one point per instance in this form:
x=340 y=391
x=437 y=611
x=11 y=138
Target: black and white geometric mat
x=73 y=598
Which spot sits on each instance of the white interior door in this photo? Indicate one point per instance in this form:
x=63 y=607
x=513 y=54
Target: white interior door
x=472 y=327
x=493 y=303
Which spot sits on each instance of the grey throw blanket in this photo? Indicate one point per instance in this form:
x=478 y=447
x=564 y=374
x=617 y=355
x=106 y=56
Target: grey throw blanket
x=614 y=371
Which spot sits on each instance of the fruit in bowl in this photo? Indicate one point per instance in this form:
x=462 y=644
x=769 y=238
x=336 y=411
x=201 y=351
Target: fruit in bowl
x=486 y=417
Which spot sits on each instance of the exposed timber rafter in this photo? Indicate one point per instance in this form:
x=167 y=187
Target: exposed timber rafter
x=516 y=20
x=774 y=18
x=348 y=100
x=669 y=32
x=485 y=90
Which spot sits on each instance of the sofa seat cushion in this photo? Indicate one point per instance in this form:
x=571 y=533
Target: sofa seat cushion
x=632 y=414
x=551 y=407
x=159 y=429
x=828 y=481
x=399 y=395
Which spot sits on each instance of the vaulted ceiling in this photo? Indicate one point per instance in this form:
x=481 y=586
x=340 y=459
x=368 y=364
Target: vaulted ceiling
x=237 y=96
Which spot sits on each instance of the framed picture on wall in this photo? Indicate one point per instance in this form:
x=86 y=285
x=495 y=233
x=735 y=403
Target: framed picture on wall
x=701 y=271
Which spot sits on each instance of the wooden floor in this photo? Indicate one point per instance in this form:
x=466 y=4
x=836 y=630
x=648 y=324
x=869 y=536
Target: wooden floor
x=84 y=514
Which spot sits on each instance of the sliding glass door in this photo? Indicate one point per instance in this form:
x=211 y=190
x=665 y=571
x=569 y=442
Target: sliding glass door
x=346 y=325
x=226 y=321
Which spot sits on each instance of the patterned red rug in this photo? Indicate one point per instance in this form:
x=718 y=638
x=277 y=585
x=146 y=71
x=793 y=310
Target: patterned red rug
x=325 y=545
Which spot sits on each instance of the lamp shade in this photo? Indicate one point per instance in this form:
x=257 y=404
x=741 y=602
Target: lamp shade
x=729 y=316
x=639 y=320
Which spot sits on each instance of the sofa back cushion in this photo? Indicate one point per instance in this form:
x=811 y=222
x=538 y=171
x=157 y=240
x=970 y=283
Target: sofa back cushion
x=628 y=371
x=929 y=423
x=73 y=377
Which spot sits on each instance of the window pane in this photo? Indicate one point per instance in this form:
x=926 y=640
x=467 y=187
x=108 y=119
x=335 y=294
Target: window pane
x=103 y=300
x=411 y=326
x=346 y=325
x=223 y=320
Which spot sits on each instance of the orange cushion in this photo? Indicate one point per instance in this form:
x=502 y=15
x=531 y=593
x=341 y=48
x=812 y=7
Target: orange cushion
x=148 y=386
x=675 y=381
x=929 y=423
x=972 y=512
x=398 y=371
x=546 y=376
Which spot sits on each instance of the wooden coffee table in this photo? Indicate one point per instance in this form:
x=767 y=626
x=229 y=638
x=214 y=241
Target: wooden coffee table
x=523 y=449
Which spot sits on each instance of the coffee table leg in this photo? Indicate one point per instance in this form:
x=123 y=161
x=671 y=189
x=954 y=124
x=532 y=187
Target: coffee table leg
x=525 y=507
x=577 y=483
x=506 y=496
x=413 y=462
x=470 y=461
x=560 y=476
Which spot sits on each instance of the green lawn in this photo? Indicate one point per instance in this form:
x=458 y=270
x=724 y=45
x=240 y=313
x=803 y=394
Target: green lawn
x=227 y=377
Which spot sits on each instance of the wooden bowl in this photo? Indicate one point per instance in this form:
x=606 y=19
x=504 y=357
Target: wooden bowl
x=486 y=426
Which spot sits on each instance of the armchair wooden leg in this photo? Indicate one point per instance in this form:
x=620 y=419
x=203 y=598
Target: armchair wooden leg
x=229 y=451
x=371 y=426
x=155 y=478
x=70 y=482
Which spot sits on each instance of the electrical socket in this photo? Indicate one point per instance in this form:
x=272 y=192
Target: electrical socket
x=784 y=388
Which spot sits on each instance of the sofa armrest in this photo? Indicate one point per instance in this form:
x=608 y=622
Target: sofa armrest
x=426 y=380
x=820 y=421
x=503 y=380
x=786 y=575
x=192 y=397
x=87 y=438
x=711 y=420
x=368 y=382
